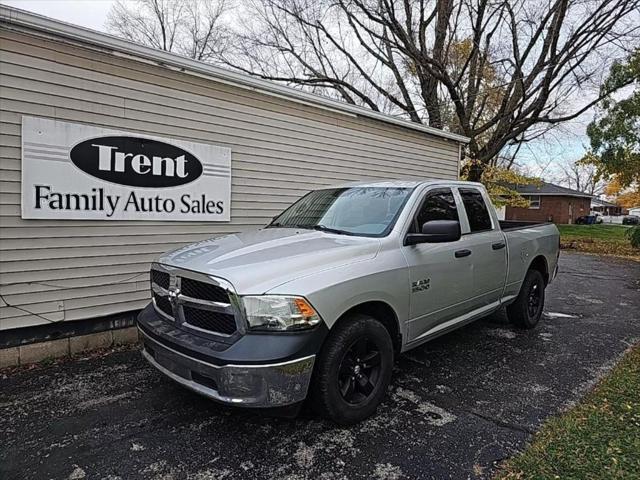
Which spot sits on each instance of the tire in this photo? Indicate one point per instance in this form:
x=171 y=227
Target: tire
x=526 y=310
x=346 y=388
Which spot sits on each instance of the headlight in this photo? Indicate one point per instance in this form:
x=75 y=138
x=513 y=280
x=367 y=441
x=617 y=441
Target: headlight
x=277 y=313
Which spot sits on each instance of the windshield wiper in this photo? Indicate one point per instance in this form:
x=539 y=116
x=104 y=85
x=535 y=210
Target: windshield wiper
x=324 y=228
x=320 y=227
x=282 y=225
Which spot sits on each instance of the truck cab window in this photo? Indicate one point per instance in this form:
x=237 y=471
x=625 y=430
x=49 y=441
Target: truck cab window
x=437 y=205
x=476 y=208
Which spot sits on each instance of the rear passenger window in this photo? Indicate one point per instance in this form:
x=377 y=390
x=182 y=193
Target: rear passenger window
x=438 y=205
x=476 y=208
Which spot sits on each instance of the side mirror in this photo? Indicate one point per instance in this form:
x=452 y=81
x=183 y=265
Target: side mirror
x=436 y=231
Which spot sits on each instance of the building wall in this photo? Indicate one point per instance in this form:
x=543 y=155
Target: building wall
x=608 y=210
x=552 y=208
x=54 y=271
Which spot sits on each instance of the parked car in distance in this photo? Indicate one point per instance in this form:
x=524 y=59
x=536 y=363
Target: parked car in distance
x=319 y=303
x=589 y=219
x=631 y=220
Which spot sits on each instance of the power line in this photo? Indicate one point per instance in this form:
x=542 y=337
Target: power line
x=9 y=305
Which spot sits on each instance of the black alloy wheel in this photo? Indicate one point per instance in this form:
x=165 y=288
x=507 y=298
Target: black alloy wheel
x=533 y=302
x=526 y=310
x=359 y=371
x=352 y=370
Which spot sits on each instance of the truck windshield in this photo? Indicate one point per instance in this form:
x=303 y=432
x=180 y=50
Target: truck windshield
x=365 y=211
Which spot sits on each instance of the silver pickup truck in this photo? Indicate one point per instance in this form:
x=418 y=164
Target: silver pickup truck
x=319 y=303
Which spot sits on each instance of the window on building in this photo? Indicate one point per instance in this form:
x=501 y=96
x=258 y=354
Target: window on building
x=477 y=212
x=534 y=201
x=438 y=205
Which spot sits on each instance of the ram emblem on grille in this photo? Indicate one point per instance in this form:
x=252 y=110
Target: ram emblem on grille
x=173 y=295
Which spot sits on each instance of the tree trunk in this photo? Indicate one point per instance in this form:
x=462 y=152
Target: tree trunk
x=476 y=169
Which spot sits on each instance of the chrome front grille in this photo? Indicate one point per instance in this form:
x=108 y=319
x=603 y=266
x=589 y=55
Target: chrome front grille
x=209 y=320
x=161 y=279
x=163 y=304
x=205 y=291
x=193 y=301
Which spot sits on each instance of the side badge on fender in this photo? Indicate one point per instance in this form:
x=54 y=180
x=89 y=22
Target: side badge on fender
x=420 y=285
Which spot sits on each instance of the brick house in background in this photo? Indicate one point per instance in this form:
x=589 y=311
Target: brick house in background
x=550 y=203
x=606 y=208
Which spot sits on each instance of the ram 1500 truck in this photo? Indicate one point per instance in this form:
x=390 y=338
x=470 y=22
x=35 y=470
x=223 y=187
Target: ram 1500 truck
x=319 y=303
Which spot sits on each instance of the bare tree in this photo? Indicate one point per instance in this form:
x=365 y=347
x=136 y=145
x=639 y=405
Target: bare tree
x=581 y=176
x=192 y=28
x=501 y=72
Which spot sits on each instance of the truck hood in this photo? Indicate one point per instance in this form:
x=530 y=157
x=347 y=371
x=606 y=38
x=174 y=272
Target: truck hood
x=258 y=261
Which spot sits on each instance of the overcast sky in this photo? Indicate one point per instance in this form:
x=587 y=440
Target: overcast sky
x=568 y=144
x=87 y=13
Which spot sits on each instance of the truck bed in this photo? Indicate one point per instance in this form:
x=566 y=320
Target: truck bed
x=509 y=225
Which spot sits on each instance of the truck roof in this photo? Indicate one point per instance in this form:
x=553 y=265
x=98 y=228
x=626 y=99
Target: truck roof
x=402 y=183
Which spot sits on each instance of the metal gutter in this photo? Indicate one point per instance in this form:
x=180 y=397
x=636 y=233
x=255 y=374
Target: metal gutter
x=22 y=18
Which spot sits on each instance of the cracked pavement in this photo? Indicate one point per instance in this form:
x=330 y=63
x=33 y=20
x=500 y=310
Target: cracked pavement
x=456 y=406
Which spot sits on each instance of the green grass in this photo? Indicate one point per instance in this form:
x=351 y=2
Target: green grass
x=611 y=233
x=598 y=239
x=597 y=439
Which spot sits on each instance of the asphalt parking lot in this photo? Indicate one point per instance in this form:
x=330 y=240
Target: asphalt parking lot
x=456 y=406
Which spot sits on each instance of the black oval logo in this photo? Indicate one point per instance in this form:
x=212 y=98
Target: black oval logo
x=136 y=162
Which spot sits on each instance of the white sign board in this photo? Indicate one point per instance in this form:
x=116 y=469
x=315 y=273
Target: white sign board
x=81 y=172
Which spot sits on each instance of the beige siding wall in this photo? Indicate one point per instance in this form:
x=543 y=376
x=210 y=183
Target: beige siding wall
x=69 y=270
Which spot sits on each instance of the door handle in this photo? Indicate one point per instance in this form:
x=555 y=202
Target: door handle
x=462 y=253
x=498 y=246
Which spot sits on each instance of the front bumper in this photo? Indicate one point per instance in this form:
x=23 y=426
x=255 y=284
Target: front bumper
x=232 y=376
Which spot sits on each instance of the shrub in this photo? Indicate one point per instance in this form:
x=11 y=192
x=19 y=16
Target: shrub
x=634 y=236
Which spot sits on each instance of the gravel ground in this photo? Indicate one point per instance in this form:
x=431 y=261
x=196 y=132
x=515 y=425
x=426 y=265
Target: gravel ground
x=456 y=407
